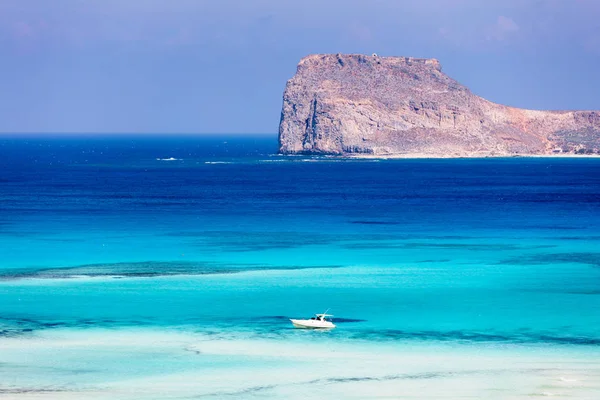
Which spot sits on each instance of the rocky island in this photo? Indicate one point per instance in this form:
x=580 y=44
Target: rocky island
x=407 y=107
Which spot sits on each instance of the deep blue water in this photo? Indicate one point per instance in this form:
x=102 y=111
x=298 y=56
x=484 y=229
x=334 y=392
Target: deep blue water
x=106 y=205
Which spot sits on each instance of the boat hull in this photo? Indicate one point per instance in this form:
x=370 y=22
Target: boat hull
x=311 y=324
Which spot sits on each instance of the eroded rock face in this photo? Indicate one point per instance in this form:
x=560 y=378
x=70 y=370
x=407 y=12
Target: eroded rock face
x=356 y=104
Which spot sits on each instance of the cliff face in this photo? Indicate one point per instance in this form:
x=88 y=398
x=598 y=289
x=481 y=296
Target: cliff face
x=356 y=104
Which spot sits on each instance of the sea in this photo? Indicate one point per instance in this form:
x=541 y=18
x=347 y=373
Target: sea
x=168 y=267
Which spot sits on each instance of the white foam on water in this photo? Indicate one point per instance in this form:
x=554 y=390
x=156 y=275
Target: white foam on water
x=567 y=379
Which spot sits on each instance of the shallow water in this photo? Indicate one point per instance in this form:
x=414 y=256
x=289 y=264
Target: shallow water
x=128 y=274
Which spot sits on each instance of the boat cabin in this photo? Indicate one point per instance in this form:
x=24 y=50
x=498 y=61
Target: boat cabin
x=322 y=317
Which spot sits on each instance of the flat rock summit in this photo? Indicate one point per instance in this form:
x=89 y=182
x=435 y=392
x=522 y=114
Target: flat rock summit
x=407 y=107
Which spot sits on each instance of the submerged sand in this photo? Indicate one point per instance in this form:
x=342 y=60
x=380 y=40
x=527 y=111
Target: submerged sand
x=168 y=363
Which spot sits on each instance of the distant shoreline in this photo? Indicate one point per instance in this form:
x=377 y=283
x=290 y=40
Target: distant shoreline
x=429 y=156
x=419 y=156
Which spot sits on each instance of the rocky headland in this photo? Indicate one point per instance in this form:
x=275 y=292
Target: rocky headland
x=407 y=107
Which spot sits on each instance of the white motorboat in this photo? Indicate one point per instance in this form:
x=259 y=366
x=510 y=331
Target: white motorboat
x=319 y=321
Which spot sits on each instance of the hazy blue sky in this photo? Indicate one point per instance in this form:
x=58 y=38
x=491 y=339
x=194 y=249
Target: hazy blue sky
x=221 y=66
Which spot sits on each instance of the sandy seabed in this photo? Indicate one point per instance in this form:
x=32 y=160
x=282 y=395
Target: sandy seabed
x=174 y=364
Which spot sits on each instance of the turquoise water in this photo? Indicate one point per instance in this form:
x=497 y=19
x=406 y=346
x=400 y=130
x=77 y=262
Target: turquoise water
x=129 y=274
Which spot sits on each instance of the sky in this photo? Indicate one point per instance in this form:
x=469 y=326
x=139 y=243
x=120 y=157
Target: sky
x=220 y=66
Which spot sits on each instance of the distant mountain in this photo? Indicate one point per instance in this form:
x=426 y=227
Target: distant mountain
x=399 y=106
